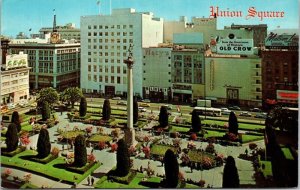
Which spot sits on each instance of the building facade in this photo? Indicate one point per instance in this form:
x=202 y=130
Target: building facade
x=157 y=73
x=187 y=67
x=67 y=32
x=259 y=32
x=14 y=80
x=105 y=40
x=52 y=65
x=280 y=70
x=233 y=80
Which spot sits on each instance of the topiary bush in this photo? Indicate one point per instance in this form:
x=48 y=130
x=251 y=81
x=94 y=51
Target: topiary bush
x=123 y=160
x=82 y=107
x=12 y=139
x=171 y=169
x=80 y=158
x=43 y=144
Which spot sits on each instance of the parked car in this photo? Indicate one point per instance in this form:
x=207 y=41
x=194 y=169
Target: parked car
x=124 y=103
x=226 y=112
x=116 y=98
x=255 y=110
x=11 y=106
x=141 y=109
x=23 y=103
x=245 y=114
x=261 y=115
x=234 y=108
x=224 y=109
x=144 y=105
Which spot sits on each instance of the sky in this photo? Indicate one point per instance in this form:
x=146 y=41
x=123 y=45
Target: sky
x=21 y=15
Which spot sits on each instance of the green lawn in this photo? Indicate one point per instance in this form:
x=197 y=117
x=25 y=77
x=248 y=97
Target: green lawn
x=198 y=156
x=287 y=153
x=179 y=129
x=46 y=169
x=158 y=149
x=244 y=126
x=102 y=138
x=29 y=186
x=213 y=134
x=104 y=184
x=268 y=168
x=71 y=134
x=249 y=138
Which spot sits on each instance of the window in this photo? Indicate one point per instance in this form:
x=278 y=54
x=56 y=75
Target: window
x=89 y=77
x=118 y=69
x=95 y=78
x=112 y=69
x=112 y=79
x=118 y=80
x=95 y=27
x=89 y=27
x=118 y=26
x=130 y=26
x=89 y=68
x=124 y=41
x=100 y=68
x=100 y=78
x=89 y=34
x=100 y=26
x=124 y=33
x=124 y=70
x=95 y=33
x=106 y=79
x=124 y=26
x=95 y=68
x=130 y=33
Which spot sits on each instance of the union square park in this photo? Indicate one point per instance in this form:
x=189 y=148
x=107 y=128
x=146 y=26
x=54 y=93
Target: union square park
x=67 y=140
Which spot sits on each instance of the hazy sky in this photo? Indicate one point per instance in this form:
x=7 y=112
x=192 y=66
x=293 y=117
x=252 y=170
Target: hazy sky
x=21 y=15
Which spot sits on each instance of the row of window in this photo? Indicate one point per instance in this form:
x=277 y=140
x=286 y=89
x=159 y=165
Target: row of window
x=105 y=69
x=118 y=54
x=107 y=79
x=95 y=27
x=124 y=48
x=110 y=33
x=113 y=40
x=100 y=60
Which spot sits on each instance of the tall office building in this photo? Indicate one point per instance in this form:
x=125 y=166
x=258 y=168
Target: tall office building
x=105 y=40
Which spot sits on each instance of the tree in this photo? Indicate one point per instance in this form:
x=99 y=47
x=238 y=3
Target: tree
x=196 y=122
x=106 y=110
x=43 y=144
x=123 y=161
x=233 y=124
x=135 y=111
x=15 y=118
x=46 y=112
x=80 y=158
x=82 y=107
x=230 y=174
x=163 y=117
x=171 y=169
x=12 y=139
x=72 y=95
x=49 y=95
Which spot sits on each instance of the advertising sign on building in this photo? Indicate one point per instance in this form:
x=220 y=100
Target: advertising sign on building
x=16 y=60
x=235 y=46
x=282 y=40
x=287 y=95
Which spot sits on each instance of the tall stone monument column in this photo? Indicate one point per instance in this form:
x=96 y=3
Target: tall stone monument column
x=129 y=131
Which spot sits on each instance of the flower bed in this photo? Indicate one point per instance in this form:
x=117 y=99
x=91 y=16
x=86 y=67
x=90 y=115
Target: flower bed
x=202 y=159
x=71 y=134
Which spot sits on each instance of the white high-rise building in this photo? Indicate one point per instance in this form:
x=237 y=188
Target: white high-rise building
x=105 y=40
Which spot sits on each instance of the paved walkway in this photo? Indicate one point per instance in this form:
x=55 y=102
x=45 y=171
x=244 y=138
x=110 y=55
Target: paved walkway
x=212 y=176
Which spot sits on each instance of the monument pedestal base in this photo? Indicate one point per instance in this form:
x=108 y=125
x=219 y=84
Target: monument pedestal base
x=130 y=137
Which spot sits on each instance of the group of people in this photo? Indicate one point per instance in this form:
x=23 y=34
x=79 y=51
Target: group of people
x=90 y=180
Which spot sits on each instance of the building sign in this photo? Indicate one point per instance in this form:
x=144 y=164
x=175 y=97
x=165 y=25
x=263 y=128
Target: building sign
x=157 y=53
x=282 y=40
x=232 y=93
x=16 y=60
x=182 y=87
x=235 y=46
x=287 y=95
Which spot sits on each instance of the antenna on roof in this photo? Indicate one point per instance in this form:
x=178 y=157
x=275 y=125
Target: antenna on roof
x=54 y=21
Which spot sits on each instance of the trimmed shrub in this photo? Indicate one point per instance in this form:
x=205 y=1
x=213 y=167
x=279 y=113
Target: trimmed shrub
x=106 y=110
x=83 y=107
x=80 y=158
x=233 y=124
x=12 y=139
x=163 y=117
x=45 y=111
x=123 y=161
x=171 y=169
x=15 y=118
x=196 y=122
x=230 y=174
x=43 y=144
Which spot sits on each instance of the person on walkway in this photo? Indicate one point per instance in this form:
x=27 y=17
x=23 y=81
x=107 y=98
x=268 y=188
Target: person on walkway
x=92 y=180
x=88 y=180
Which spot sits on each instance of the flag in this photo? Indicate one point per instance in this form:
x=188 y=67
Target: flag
x=29 y=29
x=98 y=2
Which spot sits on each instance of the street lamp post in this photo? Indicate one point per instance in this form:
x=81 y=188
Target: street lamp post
x=129 y=131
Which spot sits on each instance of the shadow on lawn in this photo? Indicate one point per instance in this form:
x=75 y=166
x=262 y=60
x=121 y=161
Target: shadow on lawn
x=149 y=184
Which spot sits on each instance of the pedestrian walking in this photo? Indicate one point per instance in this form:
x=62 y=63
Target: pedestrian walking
x=92 y=180
x=88 y=180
